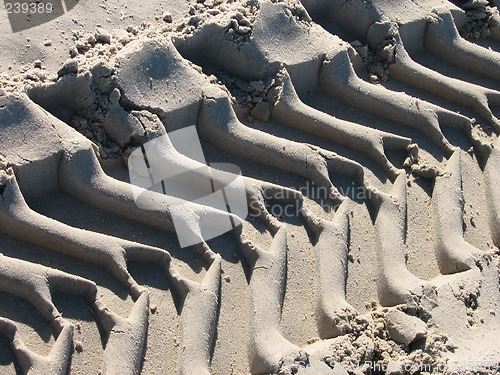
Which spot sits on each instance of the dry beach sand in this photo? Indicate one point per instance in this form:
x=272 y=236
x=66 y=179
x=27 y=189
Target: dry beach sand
x=366 y=132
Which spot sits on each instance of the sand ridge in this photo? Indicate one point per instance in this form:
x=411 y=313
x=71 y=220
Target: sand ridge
x=302 y=102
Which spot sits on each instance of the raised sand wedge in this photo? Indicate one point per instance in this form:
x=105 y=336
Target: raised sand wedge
x=269 y=350
x=56 y=363
x=411 y=16
x=396 y=284
x=126 y=337
x=193 y=174
x=300 y=49
x=492 y=180
x=377 y=27
x=290 y=110
x=198 y=318
x=454 y=253
x=111 y=253
x=115 y=196
x=68 y=161
x=218 y=124
x=413 y=19
x=339 y=79
x=276 y=24
x=165 y=153
x=334 y=314
x=335 y=75
x=443 y=40
x=158 y=84
x=403 y=68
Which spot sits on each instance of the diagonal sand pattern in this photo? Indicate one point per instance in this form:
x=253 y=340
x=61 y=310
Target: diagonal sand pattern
x=275 y=88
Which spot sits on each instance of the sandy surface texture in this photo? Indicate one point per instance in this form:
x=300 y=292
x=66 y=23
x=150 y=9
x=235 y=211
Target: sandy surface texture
x=249 y=187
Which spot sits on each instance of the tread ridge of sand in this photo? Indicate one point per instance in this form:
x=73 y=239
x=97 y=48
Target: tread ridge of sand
x=245 y=91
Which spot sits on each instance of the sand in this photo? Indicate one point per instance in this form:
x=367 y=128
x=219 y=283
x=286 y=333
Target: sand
x=366 y=135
